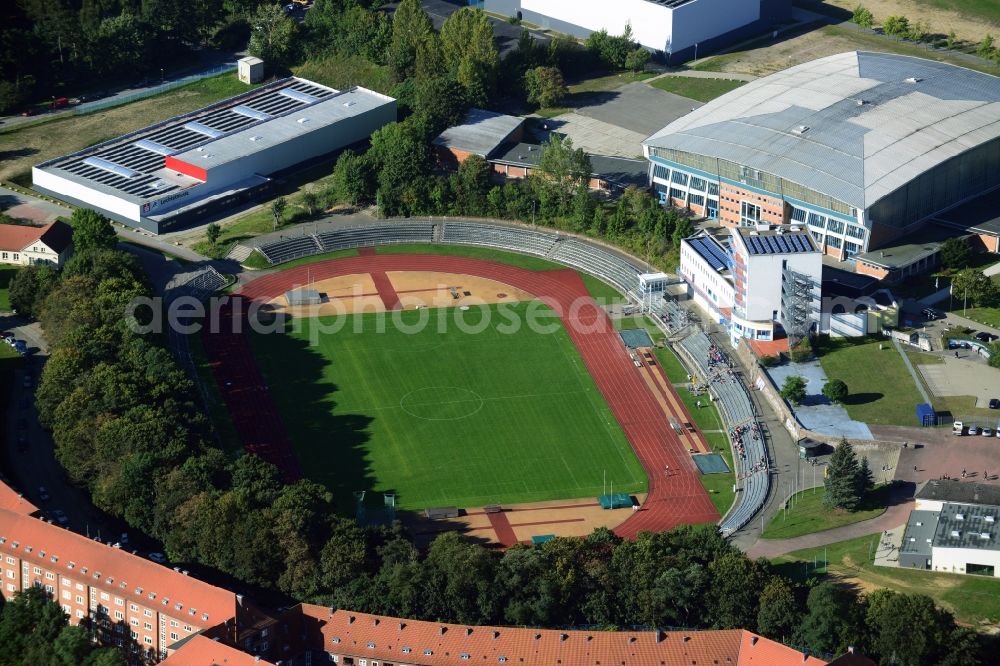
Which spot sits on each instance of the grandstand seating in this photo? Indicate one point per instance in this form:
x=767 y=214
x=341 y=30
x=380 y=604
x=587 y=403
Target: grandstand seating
x=199 y=283
x=375 y=234
x=286 y=249
x=492 y=235
x=600 y=262
x=738 y=409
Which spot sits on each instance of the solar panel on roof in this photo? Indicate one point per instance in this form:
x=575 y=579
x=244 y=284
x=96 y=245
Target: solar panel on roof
x=154 y=147
x=250 y=113
x=195 y=126
x=110 y=167
x=298 y=95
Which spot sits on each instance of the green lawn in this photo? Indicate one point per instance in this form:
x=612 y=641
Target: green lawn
x=987 y=316
x=218 y=414
x=807 y=514
x=703 y=90
x=972 y=599
x=6 y=274
x=881 y=389
x=445 y=419
x=720 y=486
x=672 y=365
x=983 y=9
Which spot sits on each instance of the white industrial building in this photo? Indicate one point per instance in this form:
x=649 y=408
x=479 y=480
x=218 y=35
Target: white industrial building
x=953 y=528
x=678 y=28
x=174 y=172
x=766 y=282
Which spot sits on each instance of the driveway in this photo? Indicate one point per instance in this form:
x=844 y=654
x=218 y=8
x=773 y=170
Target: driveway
x=31 y=208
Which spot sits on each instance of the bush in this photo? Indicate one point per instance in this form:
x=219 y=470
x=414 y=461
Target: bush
x=769 y=361
x=863 y=17
x=794 y=389
x=545 y=86
x=897 y=26
x=835 y=390
x=636 y=60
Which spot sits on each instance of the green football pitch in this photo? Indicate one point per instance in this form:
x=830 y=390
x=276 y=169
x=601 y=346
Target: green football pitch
x=460 y=418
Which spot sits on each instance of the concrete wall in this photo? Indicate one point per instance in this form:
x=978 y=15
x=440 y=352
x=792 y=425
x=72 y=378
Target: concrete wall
x=63 y=188
x=651 y=23
x=955 y=559
x=702 y=20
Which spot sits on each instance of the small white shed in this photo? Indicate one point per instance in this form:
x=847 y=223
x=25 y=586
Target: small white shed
x=251 y=69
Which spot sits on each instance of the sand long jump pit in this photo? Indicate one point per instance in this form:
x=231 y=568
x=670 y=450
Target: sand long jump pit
x=406 y=290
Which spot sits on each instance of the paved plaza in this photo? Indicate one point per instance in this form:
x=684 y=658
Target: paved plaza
x=817 y=413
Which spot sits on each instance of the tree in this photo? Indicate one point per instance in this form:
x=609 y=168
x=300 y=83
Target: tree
x=835 y=390
x=92 y=231
x=310 y=200
x=842 y=479
x=545 y=86
x=896 y=26
x=918 y=31
x=974 y=288
x=891 y=617
x=398 y=153
x=863 y=17
x=833 y=621
x=794 y=389
x=955 y=253
x=779 y=613
x=353 y=181
x=441 y=100
x=865 y=482
x=734 y=594
x=410 y=26
x=29 y=287
x=563 y=169
x=472 y=182
x=212 y=233
x=278 y=207
x=469 y=51
x=637 y=59
x=951 y=40
x=272 y=36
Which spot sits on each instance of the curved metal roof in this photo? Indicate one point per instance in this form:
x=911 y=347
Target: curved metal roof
x=855 y=126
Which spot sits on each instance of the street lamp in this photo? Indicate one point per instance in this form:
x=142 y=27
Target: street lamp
x=162 y=78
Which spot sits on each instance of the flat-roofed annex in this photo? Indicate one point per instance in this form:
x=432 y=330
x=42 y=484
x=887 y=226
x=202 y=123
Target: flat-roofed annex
x=132 y=167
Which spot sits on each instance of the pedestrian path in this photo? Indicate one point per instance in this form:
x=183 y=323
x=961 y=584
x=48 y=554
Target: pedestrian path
x=893 y=517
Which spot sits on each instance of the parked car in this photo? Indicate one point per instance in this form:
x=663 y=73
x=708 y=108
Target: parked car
x=973 y=430
x=957 y=428
x=995 y=403
x=159 y=558
x=983 y=336
x=124 y=538
x=60 y=516
x=43 y=494
x=987 y=432
x=27 y=381
x=929 y=313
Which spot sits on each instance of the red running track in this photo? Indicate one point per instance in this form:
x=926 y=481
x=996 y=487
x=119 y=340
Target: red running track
x=674 y=498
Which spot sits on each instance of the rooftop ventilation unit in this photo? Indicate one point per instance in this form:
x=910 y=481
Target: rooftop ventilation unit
x=350 y=103
x=913 y=79
x=298 y=96
x=200 y=128
x=154 y=147
x=256 y=138
x=250 y=113
x=800 y=130
x=302 y=121
x=110 y=167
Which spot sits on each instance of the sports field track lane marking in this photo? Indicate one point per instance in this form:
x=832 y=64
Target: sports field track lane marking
x=672 y=500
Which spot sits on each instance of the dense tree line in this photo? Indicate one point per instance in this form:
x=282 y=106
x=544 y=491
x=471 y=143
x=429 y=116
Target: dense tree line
x=34 y=631
x=49 y=47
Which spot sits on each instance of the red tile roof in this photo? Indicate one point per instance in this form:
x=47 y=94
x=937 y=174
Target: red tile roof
x=15 y=237
x=441 y=644
x=114 y=570
x=758 y=651
x=203 y=651
x=12 y=500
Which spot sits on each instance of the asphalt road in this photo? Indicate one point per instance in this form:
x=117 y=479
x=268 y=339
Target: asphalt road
x=36 y=467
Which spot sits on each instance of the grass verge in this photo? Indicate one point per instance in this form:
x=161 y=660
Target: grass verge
x=807 y=514
x=703 y=90
x=720 y=486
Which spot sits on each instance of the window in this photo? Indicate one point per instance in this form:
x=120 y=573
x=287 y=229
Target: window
x=696 y=200
x=147 y=612
x=79 y=599
x=798 y=215
x=119 y=615
x=174 y=636
x=850 y=249
x=15 y=256
x=833 y=241
x=49 y=575
x=749 y=214
x=147 y=640
x=676 y=194
x=105 y=596
x=134 y=635
x=11 y=573
x=679 y=177
x=854 y=231
x=37 y=571
x=134 y=622
x=817 y=221
x=173 y=623
x=836 y=226
x=4 y=255
x=713 y=189
x=697 y=183
x=818 y=237
x=66 y=595
x=660 y=171
x=147 y=626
